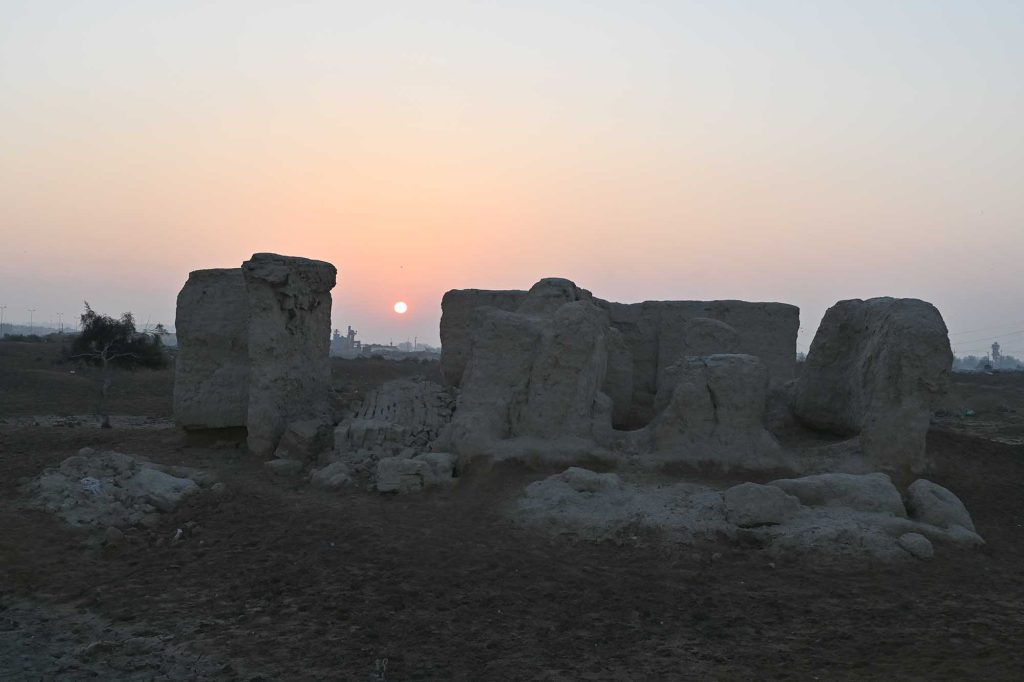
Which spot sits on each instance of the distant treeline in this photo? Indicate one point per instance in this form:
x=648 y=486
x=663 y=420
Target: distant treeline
x=36 y=338
x=983 y=363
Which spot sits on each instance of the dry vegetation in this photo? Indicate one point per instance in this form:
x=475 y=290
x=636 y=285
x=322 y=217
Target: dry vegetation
x=274 y=580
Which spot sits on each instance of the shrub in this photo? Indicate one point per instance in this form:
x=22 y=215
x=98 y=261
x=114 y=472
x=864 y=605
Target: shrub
x=105 y=341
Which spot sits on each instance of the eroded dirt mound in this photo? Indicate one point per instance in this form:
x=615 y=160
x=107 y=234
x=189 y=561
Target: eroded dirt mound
x=838 y=517
x=112 y=489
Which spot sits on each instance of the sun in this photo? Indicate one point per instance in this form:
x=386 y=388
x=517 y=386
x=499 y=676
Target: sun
x=401 y=307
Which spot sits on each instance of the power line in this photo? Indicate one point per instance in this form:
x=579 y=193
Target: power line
x=985 y=329
x=994 y=338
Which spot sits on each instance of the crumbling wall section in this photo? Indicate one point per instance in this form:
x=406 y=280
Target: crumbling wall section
x=766 y=330
x=289 y=342
x=651 y=337
x=876 y=368
x=459 y=318
x=211 y=372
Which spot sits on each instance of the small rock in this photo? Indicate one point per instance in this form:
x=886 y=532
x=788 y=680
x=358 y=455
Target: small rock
x=95 y=649
x=162 y=490
x=587 y=481
x=284 y=467
x=149 y=520
x=304 y=440
x=112 y=537
x=752 y=504
x=90 y=485
x=332 y=477
x=398 y=474
x=218 y=488
x=865 y=492
x=440 y=467
x=962 y=536
x=917 y=545
x=86 y=452
x=395 y=474
x=931 y=503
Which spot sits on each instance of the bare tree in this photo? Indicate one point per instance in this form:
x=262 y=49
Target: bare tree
x=110 y=344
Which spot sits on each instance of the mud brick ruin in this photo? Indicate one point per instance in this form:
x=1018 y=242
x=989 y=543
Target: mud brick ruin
x=558 y=380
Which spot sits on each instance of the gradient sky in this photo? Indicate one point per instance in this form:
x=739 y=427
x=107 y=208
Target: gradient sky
x=790 y=151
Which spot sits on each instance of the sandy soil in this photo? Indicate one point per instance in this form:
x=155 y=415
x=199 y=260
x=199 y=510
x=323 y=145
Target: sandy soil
x=274 y=580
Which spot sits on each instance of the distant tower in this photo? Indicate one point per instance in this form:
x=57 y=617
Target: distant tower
x=996 y=355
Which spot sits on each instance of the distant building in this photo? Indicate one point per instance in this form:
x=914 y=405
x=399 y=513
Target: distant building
x=346 y=346
x=401 y=351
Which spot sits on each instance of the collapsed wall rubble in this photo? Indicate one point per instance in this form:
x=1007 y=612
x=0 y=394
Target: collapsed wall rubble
x=829 y=517
x=111 y=489
x=395 y=440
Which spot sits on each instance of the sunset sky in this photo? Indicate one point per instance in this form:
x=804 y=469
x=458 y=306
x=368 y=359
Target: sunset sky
x=780 y=151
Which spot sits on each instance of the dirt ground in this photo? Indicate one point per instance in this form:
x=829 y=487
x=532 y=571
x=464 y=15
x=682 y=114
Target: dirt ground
x=273 y=580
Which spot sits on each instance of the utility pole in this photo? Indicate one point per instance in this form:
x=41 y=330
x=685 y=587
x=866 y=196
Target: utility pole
x=2 y=309
x=60 y=322
x=31 y=326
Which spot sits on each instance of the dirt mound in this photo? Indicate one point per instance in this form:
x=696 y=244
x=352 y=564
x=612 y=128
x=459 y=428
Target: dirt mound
x=835 y=517
x=112 y=489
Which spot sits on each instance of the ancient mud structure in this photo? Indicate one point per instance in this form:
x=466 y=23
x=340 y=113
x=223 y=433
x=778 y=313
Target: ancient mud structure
x=876 y=368
x=555 y=368
x=554 y=377
x=253 y=347
x=289 y=344
x=647 y=339
x=211 y=383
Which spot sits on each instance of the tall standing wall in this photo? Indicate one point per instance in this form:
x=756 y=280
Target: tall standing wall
x=211 y=372
x=458 y=319
x=289 y=343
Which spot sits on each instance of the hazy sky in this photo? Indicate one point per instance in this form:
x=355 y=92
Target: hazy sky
x=799 y=152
